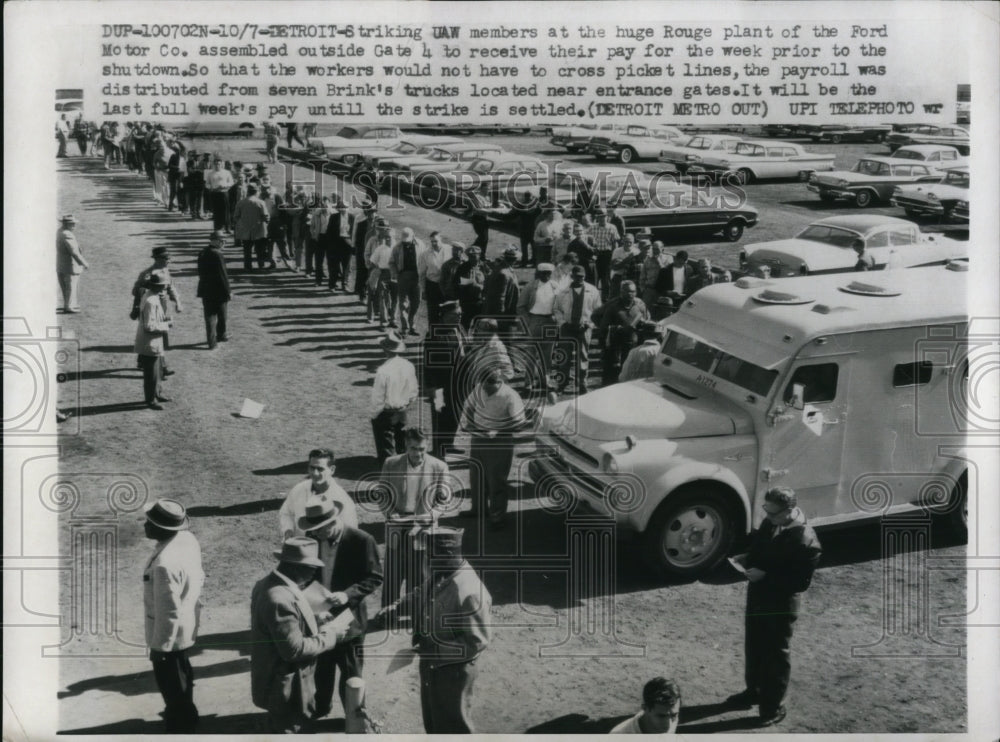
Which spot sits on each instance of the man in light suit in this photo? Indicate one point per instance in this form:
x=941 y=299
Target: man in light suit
x=285 y=638
x=415 y=482
x=172 y=584
x=572 y=312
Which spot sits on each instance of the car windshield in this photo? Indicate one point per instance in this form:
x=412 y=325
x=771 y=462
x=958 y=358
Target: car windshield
x=871 y=167
x=834 y=236
x=749 y=150
x=957 y=179
x=718 y=363
x=482 y=166
x=637 y=131
x=440 y=155
x=405 y=148
x=348 y=132
x=909 y=154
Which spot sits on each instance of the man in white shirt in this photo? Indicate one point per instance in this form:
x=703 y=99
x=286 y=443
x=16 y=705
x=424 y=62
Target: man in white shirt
x=640 y=360
x=546 y=233
x=536 y=307
x=620 y=258
x=394 y=391
x=217 y=184
x=320 y=482
x=429 y=264
x=381 y=283
x=493 y=411
x=661 y=708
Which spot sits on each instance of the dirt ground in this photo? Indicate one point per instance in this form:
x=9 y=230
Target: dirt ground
x=560 y=662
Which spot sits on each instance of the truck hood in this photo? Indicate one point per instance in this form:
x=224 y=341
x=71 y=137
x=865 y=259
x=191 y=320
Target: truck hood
x=647 y=410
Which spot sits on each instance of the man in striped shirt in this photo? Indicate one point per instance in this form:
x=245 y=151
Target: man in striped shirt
x=604 y=238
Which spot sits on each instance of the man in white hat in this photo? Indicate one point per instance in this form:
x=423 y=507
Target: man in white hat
x=536 y=307
x=405 y=264
x=351 y=572
x=172 y=582
x=394 y=390
x=286 y=639
x=70 y=263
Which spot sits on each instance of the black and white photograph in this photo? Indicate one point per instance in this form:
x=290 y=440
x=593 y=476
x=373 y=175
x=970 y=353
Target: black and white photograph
x=510 y=368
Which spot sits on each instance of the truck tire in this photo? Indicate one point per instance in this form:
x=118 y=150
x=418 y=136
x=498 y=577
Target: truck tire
x=626 y=156
x=690 y=532
x=864 y=199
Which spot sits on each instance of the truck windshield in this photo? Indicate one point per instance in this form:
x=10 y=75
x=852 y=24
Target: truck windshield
x=718 y=363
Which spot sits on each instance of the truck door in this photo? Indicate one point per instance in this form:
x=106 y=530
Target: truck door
x=803 y=440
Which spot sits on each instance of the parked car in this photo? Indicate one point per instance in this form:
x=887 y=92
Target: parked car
x=635 y=143
x=872 y=179
x=837 y=133
x=244 y=129
x=937 y=155
x=440 y=159
x=346 y=146
x=930 y=134
x=776 y=130
x=935 y=199
x=411 y=144
x=960 y=213
x=755 y=160
x=688 y=154
x=502 y=172
x=827 y=246
x=576 y=138
x=671 y=211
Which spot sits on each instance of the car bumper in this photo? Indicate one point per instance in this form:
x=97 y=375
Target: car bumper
x=603 y=150
x=920 y=207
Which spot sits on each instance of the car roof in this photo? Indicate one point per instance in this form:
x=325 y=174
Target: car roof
x=863 y=222
x=735 y=311
x=466 y=146
x=926 y=147
x=770 y=143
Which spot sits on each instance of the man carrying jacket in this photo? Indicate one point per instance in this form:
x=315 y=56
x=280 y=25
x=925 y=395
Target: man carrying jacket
x=172 y=582
x=783 y=555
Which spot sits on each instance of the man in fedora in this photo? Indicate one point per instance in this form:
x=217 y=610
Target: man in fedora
x=404 y=264
x=500 y=289
x=70 y=263
x=172 y=582
x=286 y=639
x=451 y=629
x=394 y=390
x=213 y=289
x=152 y=326
x=351 y=571
x=161 y=265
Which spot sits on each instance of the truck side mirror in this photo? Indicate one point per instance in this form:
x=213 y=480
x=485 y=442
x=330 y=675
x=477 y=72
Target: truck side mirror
x=798 y=396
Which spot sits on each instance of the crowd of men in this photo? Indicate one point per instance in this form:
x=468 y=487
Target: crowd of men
x=592 y=280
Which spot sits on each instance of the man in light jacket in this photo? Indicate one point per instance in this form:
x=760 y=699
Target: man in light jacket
x=70 y=263
x=172 y=583
x=153 y=325
x=250 y=220
x=572 y=312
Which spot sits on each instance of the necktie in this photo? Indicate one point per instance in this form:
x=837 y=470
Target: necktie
x=577 y=314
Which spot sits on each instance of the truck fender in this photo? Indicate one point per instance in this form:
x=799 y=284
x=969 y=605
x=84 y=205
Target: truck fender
x=686 y=471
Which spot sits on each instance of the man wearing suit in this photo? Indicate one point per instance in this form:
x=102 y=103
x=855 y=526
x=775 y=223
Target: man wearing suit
x=351 y=571
x=675 y=279
x=572 y=311
x=404 y=264
x=415 y=482
x=286 y=640
x=70 y=263
x=172 y=584
x=362 y=228
x=338 y=233
x=213 y=289
x=783 y=555
x=250 y=219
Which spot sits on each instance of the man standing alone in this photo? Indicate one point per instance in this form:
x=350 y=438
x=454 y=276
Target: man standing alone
x=172 y=583
x=394 y=390
x=153 y=325
x=70 y=263
x=213 y=289
x=783 y=555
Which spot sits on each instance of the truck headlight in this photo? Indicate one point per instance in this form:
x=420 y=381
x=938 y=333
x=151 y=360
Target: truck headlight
x=609 y=464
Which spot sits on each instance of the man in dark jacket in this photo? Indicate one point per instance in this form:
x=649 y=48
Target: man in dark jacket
x=501 y=291
x=675 y=279
x=213 y=288
x=351 y=571
x=783 y=555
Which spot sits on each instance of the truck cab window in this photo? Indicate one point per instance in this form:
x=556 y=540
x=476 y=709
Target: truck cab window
x=819 y=380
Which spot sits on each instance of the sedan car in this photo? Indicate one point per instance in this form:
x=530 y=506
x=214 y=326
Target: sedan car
x=503 y=172
x=688 y=154
x=755 y=160
x=937 y=155
x=576 y=138
x=837 y=133
x=872 y=179
x=827 y=246
x=346 y=146
x=670 y=211
x=411 y=144
x=930 y=134
x=635 y=143
x=935 y=199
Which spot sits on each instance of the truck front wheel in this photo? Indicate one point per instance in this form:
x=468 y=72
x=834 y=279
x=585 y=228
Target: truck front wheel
x=690 y=532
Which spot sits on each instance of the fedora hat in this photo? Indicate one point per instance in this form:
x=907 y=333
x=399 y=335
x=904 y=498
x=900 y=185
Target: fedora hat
x=320 y=511
x=440 y=540
x=156 y=280
x=392 y=343
x=68 y=218
x=161 y=252
x=299 y=550
x=169 y=515
x=217 y=236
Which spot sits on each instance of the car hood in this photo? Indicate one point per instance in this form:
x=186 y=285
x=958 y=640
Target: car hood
x=646 y=410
